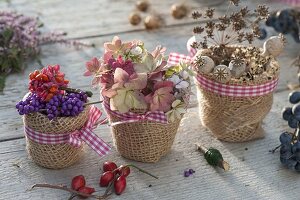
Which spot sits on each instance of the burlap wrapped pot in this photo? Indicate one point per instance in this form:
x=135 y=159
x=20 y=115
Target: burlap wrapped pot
x=145 y=141
x=235 y=118
x=54 y=156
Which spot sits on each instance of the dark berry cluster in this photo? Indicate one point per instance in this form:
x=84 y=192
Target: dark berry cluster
x=31 y=104
x=290 y=142
x=68 y=104
x=290 y=151
x=285 y=21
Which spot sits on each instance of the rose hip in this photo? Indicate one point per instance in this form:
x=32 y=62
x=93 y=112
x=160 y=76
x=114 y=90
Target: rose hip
x=109 y=166
x=123 y=170
x=78 y=182
x=106 y=178
x=86 y=190
x=120 y=185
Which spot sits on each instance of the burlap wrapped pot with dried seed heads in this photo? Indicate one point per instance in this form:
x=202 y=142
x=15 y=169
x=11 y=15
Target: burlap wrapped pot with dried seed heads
x=143 y=140
x=233 y=108
x=54 y=156
x=235 y=83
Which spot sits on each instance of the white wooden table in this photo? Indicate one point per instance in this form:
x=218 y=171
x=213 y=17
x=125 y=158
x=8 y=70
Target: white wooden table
x=255 y=173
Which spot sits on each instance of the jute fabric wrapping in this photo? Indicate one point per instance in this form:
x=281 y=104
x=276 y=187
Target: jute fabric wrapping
x=233 y=119
x=54 y=156
x=145 y=141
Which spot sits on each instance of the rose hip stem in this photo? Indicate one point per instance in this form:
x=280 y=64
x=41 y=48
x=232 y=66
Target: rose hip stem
x=58 y=187
x=213 y=157
x=88 y=93
x=141 y=170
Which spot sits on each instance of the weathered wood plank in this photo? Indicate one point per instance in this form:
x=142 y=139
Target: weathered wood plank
x=103 y=17
x=255 y=173
x=73 y=64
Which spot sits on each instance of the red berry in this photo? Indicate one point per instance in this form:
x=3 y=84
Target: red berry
x=86 y=190
x=123 y=170
x=78 y=182
x=106 y=178
x=109 y=166
x=120 y=185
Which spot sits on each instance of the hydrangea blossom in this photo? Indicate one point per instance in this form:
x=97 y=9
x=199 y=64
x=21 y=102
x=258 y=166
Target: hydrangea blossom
x=131 y=78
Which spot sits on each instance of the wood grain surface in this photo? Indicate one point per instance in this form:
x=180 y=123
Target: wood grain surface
x=255 y=173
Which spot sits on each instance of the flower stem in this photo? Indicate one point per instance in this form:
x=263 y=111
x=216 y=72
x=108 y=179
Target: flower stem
x=89 y=103
x=141 y=170
x=88 y=93
x=74 y=192
x=273 y=150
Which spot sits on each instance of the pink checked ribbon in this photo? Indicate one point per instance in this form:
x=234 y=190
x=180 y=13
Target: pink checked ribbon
x=220 y=88
x=75 y=138
x=130 y=117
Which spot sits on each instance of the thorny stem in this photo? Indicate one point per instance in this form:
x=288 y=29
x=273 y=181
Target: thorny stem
x=110 y=186
x=74 y=192
x=141 y=170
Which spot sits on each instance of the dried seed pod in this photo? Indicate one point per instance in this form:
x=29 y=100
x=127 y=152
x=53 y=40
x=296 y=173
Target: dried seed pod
x=179 y=11
x=152 y=22
x=203 y=64
x=135 y=18
x=274 y=46
x=237 y=67
x=222 y=74
x=272 y=64
x=142 y=5
x=204 y=52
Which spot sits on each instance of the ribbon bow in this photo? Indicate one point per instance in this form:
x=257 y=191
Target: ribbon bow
x=129 y=117
x=85 y=134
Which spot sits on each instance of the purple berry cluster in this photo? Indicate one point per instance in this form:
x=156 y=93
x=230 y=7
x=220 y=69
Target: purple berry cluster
x=31 y=104
x=69 y=104
x=188 y=172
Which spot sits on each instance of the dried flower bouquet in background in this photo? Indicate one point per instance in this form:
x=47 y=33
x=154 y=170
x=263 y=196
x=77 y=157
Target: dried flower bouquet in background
x=20 y=40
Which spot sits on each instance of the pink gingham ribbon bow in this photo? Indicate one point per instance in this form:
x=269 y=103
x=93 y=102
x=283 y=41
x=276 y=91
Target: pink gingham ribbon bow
x=220 y=88
x=85 y=134
x=130 y=117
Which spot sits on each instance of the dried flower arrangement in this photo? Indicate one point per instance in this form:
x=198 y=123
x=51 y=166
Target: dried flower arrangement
x=235 y=80
x=58 y=119
x=218 y=43
x=144 y=98
x=20 y=40
x=132 y=78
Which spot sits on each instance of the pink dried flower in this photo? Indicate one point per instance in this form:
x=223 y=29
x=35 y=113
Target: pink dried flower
x=115 y=48
x=162 y=97
x=92 y=67
x=126 y=65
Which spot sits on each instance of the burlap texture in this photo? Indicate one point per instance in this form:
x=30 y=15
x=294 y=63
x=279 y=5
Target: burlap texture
x=233 y=119
x=145 y=141
x=59 y=155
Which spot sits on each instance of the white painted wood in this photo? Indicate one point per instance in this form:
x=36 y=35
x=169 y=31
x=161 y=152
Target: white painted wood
x=254 y=174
